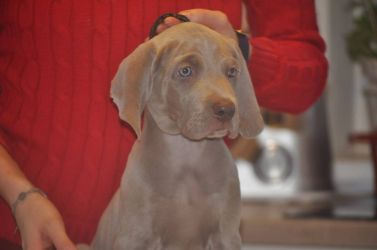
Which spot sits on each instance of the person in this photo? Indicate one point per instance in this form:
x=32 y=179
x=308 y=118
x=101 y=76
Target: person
x=59 y=130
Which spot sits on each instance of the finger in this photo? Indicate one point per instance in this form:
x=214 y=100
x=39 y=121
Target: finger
x=210 y=18
x=33 y=242
x=170 y=21
x=62 y=242
x=213 y=19
x=161 y=28
x=59 y=237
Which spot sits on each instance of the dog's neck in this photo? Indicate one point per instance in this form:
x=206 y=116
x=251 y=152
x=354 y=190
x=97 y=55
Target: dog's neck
x=185 y=150
x=176 y=160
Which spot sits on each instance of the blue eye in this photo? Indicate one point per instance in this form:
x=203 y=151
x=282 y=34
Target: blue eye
x=185 y=71
x=232 y=72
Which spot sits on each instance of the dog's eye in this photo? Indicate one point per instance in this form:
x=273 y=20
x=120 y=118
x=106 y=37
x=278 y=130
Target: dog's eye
x=185 y=71
x=232 y=72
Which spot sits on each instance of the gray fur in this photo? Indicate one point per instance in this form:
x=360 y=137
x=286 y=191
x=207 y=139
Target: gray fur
x=180 y=189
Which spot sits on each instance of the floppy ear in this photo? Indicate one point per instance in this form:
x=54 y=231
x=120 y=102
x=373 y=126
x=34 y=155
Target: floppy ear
x=132 y=85
x=251 y=121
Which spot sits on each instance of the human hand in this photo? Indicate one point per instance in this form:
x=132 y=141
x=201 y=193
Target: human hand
x=41 y=225
x=213 y=19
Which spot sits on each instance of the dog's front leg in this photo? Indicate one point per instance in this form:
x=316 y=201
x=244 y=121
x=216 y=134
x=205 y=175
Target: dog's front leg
x=108 y=225
x=135 y=218
x=228 y=236
x=232 y=242
x=126 y=243
x=224 y=241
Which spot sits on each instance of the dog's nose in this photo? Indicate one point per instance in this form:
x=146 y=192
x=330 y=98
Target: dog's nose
x=223 y=111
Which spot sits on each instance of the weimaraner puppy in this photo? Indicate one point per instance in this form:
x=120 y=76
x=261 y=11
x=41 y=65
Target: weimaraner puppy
x=180 y=189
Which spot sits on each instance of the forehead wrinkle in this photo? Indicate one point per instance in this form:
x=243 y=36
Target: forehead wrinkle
x=191 y=57
x=226 y=50
x=200 y=43
x=166 y=51
x=214 y=84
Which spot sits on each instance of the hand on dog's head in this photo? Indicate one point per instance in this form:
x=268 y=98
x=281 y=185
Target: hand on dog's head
x=193 y=81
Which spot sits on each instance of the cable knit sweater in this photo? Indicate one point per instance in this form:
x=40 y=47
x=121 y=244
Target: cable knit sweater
x=57 y=58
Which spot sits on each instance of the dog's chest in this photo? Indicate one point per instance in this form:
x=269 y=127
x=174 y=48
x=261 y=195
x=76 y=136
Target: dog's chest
x=185 y=193
x=188 y=220
x=188 y=212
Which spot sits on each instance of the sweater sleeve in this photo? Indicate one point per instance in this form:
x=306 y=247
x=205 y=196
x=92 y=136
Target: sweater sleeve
x=287 y=64
x=2 y=139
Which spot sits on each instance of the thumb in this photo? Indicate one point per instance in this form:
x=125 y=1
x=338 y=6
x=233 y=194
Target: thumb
x=213 y=19
x=60 y=239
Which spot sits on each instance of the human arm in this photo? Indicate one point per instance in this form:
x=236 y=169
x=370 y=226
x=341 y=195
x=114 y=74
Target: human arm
x=287 y=64
x=213 y=19
x=38 y=220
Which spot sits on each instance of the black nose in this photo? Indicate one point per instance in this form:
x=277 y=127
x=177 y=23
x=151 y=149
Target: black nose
x=223 y=111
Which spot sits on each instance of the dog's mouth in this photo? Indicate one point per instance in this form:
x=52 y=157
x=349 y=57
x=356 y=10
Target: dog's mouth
x=214 y=130
x=219 y=133
x=229 y=131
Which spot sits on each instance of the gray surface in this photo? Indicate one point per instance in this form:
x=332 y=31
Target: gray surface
x=265 y=247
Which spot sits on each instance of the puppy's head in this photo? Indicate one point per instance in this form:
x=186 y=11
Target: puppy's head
x=193 y=80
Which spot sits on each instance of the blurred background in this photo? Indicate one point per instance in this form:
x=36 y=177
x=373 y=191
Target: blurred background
x=309 y=181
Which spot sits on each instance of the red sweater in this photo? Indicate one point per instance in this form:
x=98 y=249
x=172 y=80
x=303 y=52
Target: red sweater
x=57 y=59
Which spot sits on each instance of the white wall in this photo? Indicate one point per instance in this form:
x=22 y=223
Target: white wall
x=346 y=107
